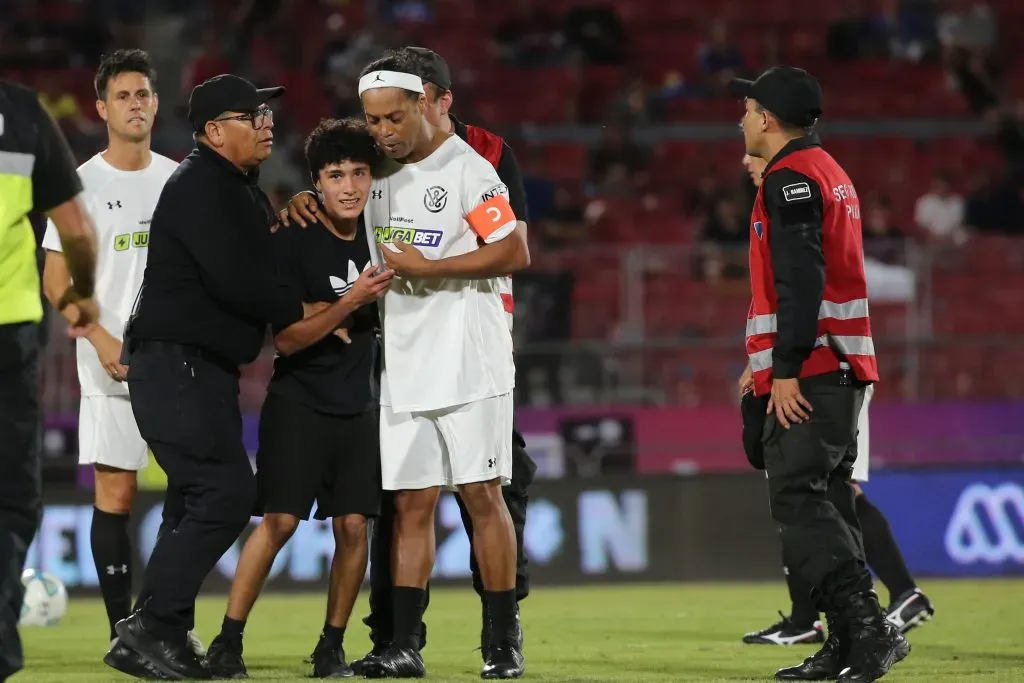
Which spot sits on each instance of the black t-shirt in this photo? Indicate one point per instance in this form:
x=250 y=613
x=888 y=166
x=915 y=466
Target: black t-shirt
x=330 y=376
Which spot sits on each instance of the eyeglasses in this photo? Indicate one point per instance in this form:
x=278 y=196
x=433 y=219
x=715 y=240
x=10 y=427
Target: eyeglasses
x=258 y=119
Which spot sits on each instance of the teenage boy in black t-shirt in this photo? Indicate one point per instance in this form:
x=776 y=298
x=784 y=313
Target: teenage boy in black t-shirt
x=318 y=437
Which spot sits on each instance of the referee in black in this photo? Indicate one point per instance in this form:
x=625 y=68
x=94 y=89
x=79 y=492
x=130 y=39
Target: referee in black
x=811 y=356
x=209 y=293
x=37 y=173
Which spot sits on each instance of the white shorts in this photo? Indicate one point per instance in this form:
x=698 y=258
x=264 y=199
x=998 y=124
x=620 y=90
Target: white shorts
x=108 y=435
x=459 y=445
x=862 y=466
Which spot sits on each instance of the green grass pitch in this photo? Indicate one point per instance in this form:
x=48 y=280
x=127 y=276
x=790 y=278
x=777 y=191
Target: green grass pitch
x=665 y=632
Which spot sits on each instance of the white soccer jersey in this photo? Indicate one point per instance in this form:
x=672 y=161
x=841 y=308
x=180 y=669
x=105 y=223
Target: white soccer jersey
x=446 y=342
x=121 y=204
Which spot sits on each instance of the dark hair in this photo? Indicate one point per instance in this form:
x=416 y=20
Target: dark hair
x=422 y=64
x=119 y=62
x=334 y=141
x=791 y=128
x=396 y=60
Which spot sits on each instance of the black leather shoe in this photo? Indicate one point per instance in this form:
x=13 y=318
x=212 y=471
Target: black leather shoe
x=172 y=658
x=128 y=661
x=503 y=661
x=395 y=662
x=224 y=659
x=826 y=663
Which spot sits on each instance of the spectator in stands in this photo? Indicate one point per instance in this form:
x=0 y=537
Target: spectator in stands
x=720 y=59
x=849 y=36
x=633 y=105
x=596 y=32
x=967 y=32
x=617 y=162
x=724 y=237
x=883 y=241
x=1009 y=133
x=992 y=205
x=940 y=211
x=904 y=30
x=529 y=37
x=565 y=225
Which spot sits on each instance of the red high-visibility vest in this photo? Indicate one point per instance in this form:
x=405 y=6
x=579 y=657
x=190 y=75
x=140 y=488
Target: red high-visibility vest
x=844 y=328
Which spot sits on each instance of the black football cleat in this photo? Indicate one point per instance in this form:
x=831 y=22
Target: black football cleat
x=875 y=644
x=485 y=632
x=329 y=661
x=503 y=661
x=172 y=658
x=910 y=610
x=370 y=657
x=826 y=663
x=395 y=662
x=786 y=632
x=224 y=659
x=128 y=661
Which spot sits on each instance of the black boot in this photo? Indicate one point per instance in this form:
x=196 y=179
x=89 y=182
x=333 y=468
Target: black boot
x=875 y=644
x=503 y=656
x=826 y=663
x=485 y=632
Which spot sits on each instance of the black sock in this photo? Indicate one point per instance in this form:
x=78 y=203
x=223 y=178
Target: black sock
x=408 y=604
x=112 y=554
x=232 y=629
x=501 y=608
x=883 y=555
x=334 y=635
x=804 y=612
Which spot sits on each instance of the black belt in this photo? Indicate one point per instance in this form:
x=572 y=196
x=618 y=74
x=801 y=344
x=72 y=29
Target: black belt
x=187 y=350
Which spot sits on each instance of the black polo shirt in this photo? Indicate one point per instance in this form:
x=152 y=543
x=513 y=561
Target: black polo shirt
x=211 y=279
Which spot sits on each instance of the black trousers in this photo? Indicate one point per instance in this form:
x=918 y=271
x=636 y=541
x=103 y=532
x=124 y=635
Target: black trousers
x=516 y=498
x=809 y=470
x=20 y=489
x=186 y=406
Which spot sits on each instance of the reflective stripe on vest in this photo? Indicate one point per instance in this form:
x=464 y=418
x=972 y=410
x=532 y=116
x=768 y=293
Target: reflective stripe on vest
x=768 y=324
x=848 y=346
x=19 y=274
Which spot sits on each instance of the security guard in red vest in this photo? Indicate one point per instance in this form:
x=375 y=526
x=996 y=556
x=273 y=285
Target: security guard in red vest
x=810 y=358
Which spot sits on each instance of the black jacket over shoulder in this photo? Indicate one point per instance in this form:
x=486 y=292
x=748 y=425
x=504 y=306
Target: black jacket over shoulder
x=211 y=280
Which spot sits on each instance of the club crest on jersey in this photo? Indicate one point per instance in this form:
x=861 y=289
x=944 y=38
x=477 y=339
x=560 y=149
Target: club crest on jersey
x=759 y=229
x=435 y=199
x=413 y=236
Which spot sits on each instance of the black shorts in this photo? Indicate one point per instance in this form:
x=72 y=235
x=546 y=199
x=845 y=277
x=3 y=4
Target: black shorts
x=306 y=456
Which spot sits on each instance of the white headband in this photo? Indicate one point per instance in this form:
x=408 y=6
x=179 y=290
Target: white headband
x=390 y=79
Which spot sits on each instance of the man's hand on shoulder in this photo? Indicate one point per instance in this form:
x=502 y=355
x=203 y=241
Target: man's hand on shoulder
x=303 y=209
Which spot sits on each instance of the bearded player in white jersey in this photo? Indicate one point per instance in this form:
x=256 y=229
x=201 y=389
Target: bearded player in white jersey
x=122 y=185
x=443 y=223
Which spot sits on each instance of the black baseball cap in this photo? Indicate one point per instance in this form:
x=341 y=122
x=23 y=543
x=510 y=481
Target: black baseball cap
x=226 y=92
x=433 y=68
x=791 y=94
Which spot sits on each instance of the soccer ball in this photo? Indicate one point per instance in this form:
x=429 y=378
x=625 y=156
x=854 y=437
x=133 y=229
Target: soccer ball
x=46 y=599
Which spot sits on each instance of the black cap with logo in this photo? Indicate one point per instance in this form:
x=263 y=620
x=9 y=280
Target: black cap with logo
x=791 y=94
x=432 y=67
x=226 y=92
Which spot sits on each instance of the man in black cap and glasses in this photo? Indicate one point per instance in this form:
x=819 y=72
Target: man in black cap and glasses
x=208 y=294
x=811 y=358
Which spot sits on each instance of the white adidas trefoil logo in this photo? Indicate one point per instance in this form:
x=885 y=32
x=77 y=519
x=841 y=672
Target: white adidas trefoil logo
x=341 y=286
